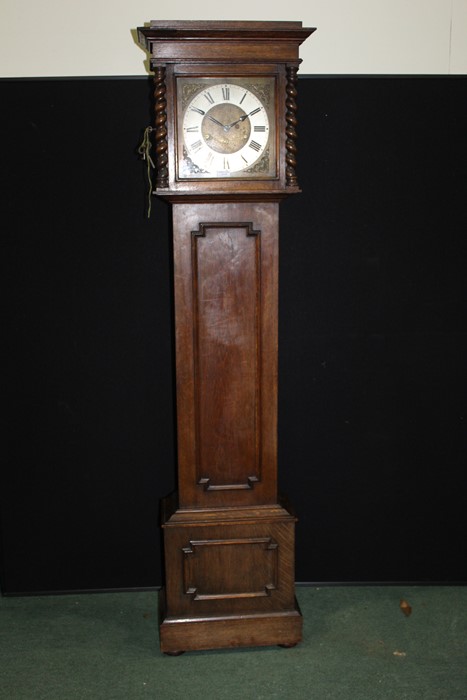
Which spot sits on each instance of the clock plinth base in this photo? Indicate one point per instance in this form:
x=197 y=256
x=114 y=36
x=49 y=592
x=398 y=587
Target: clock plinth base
x=231 y=631
x=229 y=579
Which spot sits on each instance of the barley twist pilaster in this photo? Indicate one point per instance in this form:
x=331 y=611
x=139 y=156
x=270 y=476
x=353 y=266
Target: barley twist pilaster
x=162 y=171
x=290 y=128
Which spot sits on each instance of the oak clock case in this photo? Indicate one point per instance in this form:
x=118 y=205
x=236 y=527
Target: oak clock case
x=226 y=127
x=225 y=152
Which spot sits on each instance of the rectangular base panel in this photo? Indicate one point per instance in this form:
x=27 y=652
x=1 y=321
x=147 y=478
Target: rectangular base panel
x=269 y=629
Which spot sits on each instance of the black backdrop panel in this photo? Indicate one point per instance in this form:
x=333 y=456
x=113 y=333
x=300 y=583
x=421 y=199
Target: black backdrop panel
x=373 y=340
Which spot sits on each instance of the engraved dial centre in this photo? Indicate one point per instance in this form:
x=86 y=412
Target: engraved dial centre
x=222 y=129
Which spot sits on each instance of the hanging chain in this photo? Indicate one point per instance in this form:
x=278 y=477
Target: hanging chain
x=145 y=152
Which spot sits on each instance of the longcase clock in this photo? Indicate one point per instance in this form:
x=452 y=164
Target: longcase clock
x=225 y=155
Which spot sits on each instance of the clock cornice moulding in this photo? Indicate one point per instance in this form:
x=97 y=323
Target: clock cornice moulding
x=266 y=41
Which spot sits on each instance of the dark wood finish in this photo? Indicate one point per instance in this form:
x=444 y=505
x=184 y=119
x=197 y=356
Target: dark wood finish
x=229 y=543
x=223 y=49
x=225 y=261
x=230 y=567
x=291 y=126
x=229 y=41
x=262 y=188
x=229 y=579
x=219 y=632
x=160 y=105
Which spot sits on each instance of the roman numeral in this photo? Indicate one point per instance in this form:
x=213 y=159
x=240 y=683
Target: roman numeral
x=226 y=93
x=255 y=146
x=197 y=145
x=226 y=164
x=192 y=129
x=259 y=128
x=209 y=97
x=242 y=98
x=255 y=111
x=200 y=111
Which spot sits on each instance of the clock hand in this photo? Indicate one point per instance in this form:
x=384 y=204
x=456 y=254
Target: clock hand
x=217 y=122
x=242 y=119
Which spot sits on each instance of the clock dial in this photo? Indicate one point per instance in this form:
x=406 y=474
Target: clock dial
x=226 y=131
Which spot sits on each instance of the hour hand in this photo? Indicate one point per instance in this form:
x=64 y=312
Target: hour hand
x=213 y=119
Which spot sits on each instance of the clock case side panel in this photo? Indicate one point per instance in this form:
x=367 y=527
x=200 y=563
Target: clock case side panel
x=237 y=188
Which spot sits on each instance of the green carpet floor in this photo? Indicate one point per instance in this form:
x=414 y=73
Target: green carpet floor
x=357 y=644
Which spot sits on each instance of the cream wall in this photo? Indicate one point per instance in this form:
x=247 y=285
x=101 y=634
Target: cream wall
x=93 y=37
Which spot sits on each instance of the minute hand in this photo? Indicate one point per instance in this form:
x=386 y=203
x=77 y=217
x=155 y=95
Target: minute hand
x=242 y=119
